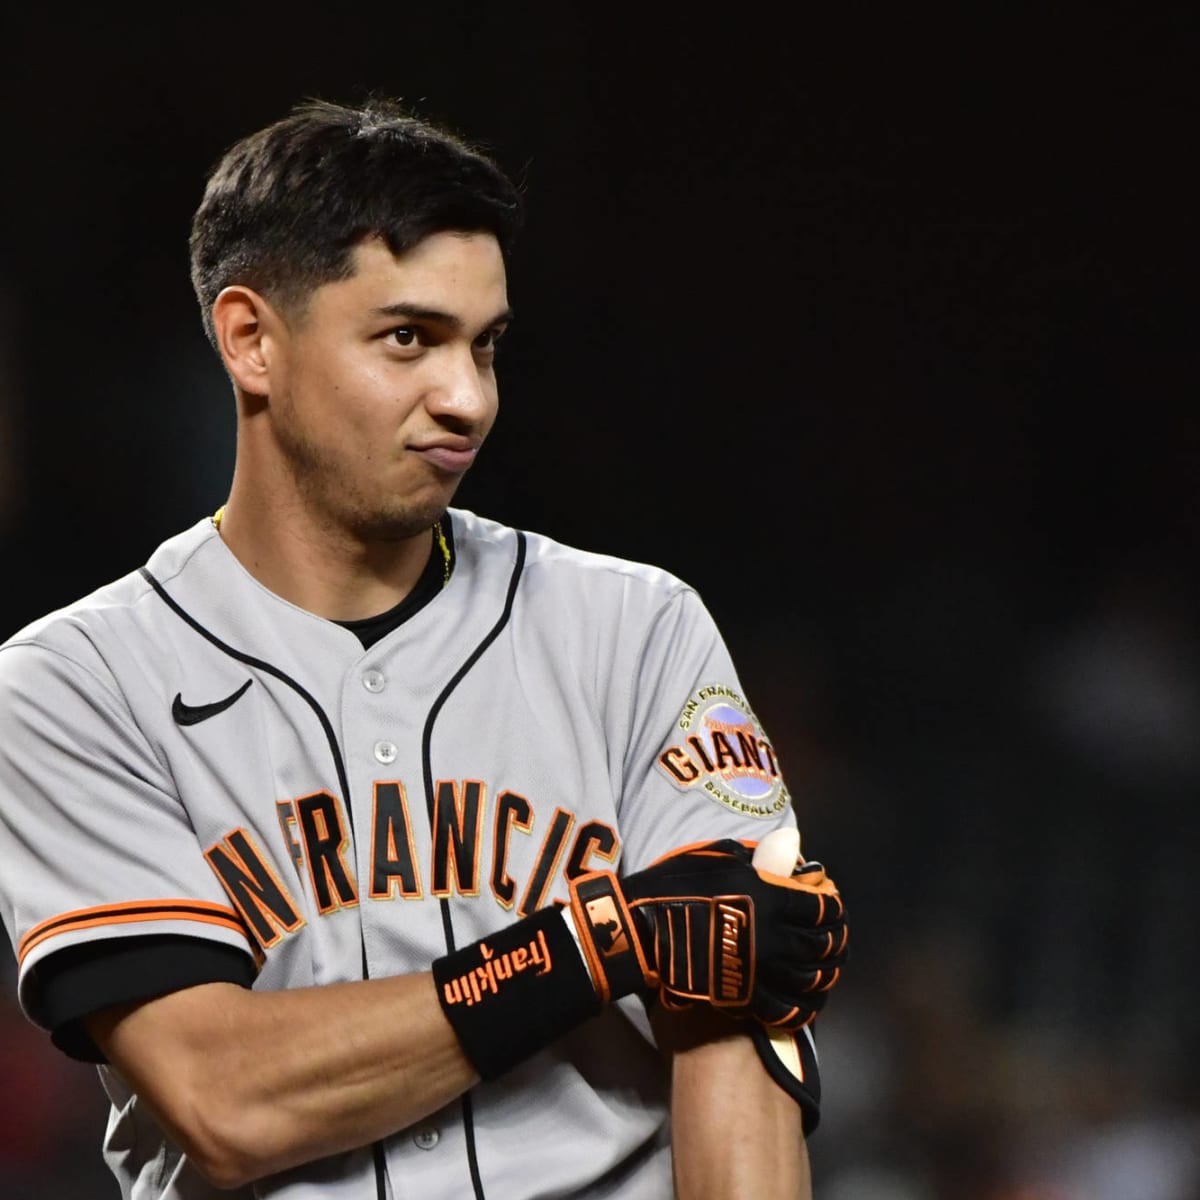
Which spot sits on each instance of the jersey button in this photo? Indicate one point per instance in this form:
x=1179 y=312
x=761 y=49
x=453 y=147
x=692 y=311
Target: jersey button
x=427 y=1138
x=385 y=752
x=374 y=681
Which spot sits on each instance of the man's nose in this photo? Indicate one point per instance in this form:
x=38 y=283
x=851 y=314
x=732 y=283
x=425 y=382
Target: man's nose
x=460 y=388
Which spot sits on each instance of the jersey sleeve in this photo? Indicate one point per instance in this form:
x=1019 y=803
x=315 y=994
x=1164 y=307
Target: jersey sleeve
x=78 y=980
x=96 y=846
x=698 y=763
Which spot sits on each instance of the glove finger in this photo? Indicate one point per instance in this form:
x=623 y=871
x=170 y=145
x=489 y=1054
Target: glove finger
x=807 y=943
x=783 y=1012
x=802 y=950
x=675 y=1001
x=810 y=871
x=808 y=874
x=686 y=857
x=791 y=980
x=813 y=908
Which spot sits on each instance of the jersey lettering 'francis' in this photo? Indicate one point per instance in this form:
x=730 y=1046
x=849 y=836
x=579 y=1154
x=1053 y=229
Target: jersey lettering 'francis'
x=319 y=855
x=246 y=775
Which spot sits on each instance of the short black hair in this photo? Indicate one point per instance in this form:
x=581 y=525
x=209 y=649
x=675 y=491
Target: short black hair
x=284 y=207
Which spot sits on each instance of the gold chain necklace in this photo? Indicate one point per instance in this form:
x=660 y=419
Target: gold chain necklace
x=444 y=546
x=438 y=536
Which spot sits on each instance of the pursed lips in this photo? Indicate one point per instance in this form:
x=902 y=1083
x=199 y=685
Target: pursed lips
x=451 y=455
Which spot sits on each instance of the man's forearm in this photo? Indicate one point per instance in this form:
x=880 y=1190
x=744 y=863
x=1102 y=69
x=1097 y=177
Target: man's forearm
x=250 y=1083
x=736 y=1135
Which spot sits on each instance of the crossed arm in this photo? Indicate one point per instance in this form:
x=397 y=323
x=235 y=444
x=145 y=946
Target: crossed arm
x=735 y=1134
x=250 y=1083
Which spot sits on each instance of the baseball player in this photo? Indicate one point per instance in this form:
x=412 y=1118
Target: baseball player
x=371 y=848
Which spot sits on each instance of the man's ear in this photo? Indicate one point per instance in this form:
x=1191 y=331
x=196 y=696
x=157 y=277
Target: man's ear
x=245 y=325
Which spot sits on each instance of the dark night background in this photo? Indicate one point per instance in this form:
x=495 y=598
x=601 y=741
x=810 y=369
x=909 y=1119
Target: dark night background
x=878 y=328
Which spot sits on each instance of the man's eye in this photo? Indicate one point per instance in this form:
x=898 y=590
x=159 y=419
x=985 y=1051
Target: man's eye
x=404 y=336
x=489 y=339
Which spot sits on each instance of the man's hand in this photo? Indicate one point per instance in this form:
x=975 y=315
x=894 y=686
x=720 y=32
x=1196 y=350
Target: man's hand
x=703 y=925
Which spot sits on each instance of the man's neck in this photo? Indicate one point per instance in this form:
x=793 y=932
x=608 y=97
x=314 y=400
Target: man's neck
x=323 y=569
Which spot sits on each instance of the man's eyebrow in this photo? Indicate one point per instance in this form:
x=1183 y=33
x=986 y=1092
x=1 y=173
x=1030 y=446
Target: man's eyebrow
x=418 y=312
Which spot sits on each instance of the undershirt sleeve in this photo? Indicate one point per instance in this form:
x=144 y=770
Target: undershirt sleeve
x=79 y=980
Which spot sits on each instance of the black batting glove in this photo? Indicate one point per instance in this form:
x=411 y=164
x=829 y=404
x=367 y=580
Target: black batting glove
x=703 y=925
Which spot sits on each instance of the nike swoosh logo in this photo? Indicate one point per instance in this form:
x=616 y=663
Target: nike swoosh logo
x=193 y=714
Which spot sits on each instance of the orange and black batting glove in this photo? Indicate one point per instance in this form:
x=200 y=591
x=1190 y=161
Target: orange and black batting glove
x=702 y=925
x=699 y=925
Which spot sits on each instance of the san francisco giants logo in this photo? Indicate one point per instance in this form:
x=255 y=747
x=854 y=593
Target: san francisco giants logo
x=725 y=753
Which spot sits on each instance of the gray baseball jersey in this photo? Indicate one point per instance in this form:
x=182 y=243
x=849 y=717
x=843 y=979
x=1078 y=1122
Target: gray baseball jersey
x=184 y=753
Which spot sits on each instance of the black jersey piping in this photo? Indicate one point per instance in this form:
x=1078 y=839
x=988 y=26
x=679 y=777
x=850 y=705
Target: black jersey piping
x=334 y=749
x=468 y=1114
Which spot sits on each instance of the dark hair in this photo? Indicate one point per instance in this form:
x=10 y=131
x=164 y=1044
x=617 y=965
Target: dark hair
x=285 y=207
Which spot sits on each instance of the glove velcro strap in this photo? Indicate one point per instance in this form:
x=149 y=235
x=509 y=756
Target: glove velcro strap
x=514 y=992
x=608 y=937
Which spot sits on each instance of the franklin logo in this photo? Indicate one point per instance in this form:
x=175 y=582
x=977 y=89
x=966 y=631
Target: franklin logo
x=494 y=971
x=735 y=923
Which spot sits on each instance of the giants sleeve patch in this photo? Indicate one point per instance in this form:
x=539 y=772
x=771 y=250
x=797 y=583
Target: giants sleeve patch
x=720 y=747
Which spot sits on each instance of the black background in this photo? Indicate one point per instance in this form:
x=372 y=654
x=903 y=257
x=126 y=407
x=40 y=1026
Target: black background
x=875 y=326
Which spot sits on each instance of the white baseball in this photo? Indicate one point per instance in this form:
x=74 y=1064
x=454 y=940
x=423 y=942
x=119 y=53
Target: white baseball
x=777 y=852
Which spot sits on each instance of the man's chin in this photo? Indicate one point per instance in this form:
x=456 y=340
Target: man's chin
x=397 y=527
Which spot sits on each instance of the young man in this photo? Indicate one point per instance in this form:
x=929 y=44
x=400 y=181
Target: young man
x=375 y=849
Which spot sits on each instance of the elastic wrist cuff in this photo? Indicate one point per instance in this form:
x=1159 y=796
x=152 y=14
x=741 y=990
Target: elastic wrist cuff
x=513 y=992
x=607 y=935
